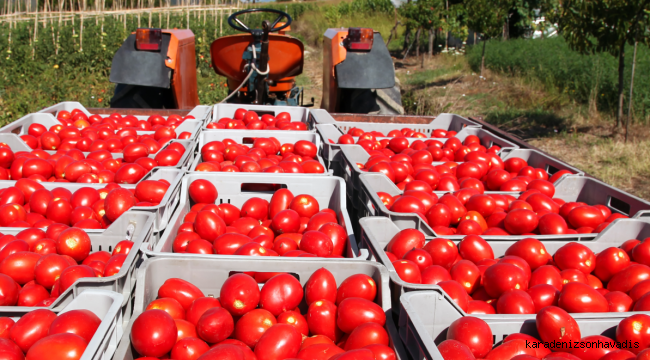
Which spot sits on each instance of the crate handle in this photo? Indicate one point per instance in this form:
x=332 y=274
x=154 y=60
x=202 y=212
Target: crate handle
x=550 y=169
x=619 y=205
x=256 y=187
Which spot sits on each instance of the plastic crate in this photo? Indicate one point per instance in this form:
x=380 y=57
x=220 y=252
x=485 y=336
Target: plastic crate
x=228 y=111
x=106 y=305
x=568 y=188
x=21 y=126
x=538 y=159
x=376 y=233
x=209 y=274
x=328 y=191
x=200 y=112
x=449 y=122
x=135 y=226
x=425 y=317
x=162 y=212
x=248 y=137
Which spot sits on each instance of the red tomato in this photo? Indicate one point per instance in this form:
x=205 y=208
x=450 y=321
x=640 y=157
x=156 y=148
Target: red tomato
x=198 y=307
x=633 y=331
x=404 y=241
x=203 y=191
x=182 y=291
x=189 y=349
x=239 y=294
x=543 y=295
x=366 y=334
x=472 y=332
x=358 y=286
x=117 y=202
x=281 y=293
x=555 y=324
x=83 y=323
x=609 y=262
x=502 y=277
x=60 y=346
x=321 y=285
x=31 y=327
x=626 y=279
x=279 y=342
x=531 y=250
x=475 y=249
x=215 y=325
x=252 y=325
x=153 y=333
x=575 y=256
x=321 y=319
x=75 y=243
x=520 y=221
x=443 y=252
x=168 y=305
x=453 y=349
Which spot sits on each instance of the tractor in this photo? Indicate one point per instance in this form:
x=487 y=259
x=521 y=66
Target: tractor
x=156 y=68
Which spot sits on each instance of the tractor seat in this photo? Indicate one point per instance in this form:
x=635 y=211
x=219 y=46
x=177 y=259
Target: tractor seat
x=285 y=56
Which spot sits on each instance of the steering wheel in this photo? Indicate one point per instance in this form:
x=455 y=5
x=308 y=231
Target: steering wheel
x=243 y=28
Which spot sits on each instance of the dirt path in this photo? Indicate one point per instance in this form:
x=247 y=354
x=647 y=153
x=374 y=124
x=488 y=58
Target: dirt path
x=312 y=75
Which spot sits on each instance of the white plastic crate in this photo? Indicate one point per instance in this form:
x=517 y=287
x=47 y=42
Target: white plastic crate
x=297 y=113
x=568 y=188
x=135 y=226
x=376 y=233
x=248 y=137
x=209 y=274
x=328 y=191
x=162 y=212
x=106 y=305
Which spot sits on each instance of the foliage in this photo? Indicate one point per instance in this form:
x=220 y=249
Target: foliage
x=34 y=75
x=583 y=77
x=487 y=16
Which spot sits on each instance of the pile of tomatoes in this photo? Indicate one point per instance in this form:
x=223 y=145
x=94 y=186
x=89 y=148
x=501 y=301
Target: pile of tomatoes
x=527 y=278
x=37 y=266
x=287 y=225
x=29 y=204
x=98 y=166
x=470 y=211
x=250 y=120
x=266 y=155
x=452 y=149
x=470 y=338
x=96 y=133
x=246 y=323
x=41 y=334
x=348 y=138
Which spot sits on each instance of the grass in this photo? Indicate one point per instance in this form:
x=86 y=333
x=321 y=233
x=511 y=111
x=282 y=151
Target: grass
x=524 y=105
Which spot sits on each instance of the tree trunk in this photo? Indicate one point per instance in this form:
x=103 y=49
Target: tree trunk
x=407 y=37
x=629 y=106
x=431 y=40
x=621 y=79
x=417 y=42
x=483 y=57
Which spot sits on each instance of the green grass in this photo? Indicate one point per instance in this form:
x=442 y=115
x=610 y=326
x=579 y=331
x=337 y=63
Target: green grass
x=559 y=69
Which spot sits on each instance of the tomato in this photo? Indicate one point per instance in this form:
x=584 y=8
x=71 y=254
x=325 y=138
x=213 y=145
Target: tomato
x=239 y=294
x=31 y=327
x=455 y=350
x=317 y=243
x=152 y=191
x=474 y=248
x=189 y=349
x=168 y=305
x=585 y=216
x=467 y=274
x=321 y=319
x=515 y=302
x=203 y=191
x=117 y=202
x=575 y=256
x=443 y=252
x=252 y=325
x=153 y=333
x=502 y=277
x=281 y=293
x=547 y=274
x=20 y=266
x=73 y=273
x=366 y=334
x=286 y=221
x=634 y=333
x=531 y=250
x=198 y=307
x=215 y=325
x=83 y=323
x=407 y=271
x=75 y=243
x=32 y=294
x=626 y=279
x=404 y=241
x=209 y=225
x=358 y=286
x=60 y=346
x=182 y=291
x=609 y=262
x=321 y=285
x=472 y=332
x=279 y=342
x=434 y=274
x=520 y=221
x=555 y=324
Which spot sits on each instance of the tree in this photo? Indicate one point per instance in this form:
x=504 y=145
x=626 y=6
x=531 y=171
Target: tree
x=591 y=26
x=422 y=14
x=486 y=17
